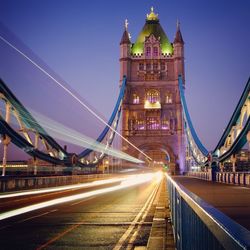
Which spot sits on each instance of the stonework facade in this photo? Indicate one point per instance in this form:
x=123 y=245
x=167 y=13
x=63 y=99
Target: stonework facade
x=151 y=112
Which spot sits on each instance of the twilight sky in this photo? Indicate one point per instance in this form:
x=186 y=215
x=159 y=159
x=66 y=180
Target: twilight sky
x=79 y=40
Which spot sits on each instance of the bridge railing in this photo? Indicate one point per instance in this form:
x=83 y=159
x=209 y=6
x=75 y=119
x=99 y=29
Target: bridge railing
x=238 y=178
x=197 y=225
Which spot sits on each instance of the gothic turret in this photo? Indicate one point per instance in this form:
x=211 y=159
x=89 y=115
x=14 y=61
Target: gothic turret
x=125 y=46
x=179 y=52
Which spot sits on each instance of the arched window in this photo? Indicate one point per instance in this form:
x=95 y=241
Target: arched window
x=148 y=51
x=148 y=66
x=141 y=66
x=155 y=66
x=165 y=124
x=163 y=66
x=155 y=51
x=169 y=98
x=140 y=124
x=136 y=99
x=153 y=96
x=153 y=123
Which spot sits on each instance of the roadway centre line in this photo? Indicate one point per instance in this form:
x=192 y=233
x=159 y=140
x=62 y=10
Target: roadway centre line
x=129 y=184
x=133 y=238
x=132 y=226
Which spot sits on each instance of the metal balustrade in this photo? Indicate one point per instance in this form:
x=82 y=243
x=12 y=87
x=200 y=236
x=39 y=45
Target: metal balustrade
x=199 y=226
x=237 y=178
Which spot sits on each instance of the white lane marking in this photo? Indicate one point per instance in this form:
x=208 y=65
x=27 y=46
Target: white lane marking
x=30 y=218
x=35 y=216
x=132 y=226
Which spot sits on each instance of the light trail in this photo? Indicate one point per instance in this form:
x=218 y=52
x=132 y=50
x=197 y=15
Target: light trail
x=69 y=135
x=62 y=132
x=68 y=187
x=129 y=182
x=72 y=94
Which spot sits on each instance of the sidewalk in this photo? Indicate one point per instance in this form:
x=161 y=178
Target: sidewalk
x=161 y=235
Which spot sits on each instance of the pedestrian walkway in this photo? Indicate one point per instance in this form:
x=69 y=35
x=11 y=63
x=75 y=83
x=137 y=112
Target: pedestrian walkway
x=232 y=200
x=161 y=235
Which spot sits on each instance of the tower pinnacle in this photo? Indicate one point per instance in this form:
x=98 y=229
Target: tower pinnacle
x=126 y=24
x=178 y=37
x=152 y=16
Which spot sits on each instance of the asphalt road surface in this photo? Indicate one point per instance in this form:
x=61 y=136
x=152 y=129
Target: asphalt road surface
x=115 y=220
x=232 y=200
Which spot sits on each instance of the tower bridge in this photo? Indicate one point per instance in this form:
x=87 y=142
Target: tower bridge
x=151 y=110
x=156 y=128
x=155 y=123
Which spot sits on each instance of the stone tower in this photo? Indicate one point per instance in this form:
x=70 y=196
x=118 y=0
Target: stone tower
x=151 y=112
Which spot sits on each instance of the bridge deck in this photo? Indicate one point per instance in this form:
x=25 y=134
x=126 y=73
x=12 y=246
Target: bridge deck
x=232 y=200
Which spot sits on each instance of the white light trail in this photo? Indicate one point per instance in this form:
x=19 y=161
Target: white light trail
x=67 y=134
x=64 y=133
x=68 y=187
x=72 y=94
x=129 y=182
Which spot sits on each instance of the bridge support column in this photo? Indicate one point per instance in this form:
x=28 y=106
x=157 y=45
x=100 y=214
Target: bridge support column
x=221 y=165
x=35 y=165
x=233 y=160
x=248 y=140
x=6 y=141
x=36 y=147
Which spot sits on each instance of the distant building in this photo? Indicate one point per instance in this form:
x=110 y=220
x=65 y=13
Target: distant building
x=152 y=112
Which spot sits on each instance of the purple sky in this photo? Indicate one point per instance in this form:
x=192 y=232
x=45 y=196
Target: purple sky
x=79 y=40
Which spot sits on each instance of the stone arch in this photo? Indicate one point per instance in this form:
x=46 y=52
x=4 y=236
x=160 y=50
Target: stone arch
x=150 y=147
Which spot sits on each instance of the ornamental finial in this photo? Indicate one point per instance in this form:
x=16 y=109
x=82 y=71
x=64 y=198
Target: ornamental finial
x=152 y=15
x=126 y=24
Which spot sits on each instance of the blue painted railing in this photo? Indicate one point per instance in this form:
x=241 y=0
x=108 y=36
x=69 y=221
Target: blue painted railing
x=199 y=226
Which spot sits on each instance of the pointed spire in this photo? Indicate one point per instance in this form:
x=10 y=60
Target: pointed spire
x=178 y=37
x=126 y=36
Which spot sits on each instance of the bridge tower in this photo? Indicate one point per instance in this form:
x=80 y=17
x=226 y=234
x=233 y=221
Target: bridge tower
x=151 y=112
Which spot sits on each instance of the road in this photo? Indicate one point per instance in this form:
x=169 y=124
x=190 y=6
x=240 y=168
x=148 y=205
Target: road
x=116 y=219
x=232 y=200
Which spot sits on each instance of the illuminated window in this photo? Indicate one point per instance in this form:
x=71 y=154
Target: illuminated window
x=136 y=99
x=165 y=124
x=148 y=51
x=141 y=66
x=155 y=51
x=169 y=98
x=153 y=96
x=152 y=123
x=155 y=66
x=140 y=125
